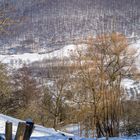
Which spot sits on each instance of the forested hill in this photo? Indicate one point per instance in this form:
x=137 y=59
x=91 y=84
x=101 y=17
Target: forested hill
x=52 y=22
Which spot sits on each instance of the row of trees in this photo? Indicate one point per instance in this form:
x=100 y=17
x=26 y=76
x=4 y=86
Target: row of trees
x=84 y=89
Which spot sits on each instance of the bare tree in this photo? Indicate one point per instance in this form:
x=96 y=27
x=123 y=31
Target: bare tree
x=54 y=99
x=5 y=89
x=101 y=67
x=26 y=94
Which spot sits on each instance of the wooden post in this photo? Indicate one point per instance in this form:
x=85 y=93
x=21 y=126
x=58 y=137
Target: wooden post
x=27 y=132
x=20 y=131
x=8 y=131
x=29 y=129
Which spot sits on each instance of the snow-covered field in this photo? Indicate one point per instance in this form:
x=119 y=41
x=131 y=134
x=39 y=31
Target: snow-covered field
x=18 y=60
x=42 y=133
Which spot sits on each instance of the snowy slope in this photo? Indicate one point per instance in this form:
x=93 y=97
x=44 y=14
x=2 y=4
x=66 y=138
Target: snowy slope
x=137 y=47
x=27 y=58
x=132 y=87
x=39 y=132
x=18 y=60
x=42 y=133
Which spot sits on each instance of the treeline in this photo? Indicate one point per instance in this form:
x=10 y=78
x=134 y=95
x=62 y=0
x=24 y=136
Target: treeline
x=84 y=89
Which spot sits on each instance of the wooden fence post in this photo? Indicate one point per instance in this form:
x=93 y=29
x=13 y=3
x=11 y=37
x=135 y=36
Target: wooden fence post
x=20 y=131
x=27 y=132
x=29 y=129
x=8 y=131
x=24 y=130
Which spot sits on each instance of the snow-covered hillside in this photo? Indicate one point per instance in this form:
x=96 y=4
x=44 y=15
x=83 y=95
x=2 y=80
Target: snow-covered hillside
x=42 y=133
x=132 y=88
x=136 y=46
x=18 y=60
x=39 y=133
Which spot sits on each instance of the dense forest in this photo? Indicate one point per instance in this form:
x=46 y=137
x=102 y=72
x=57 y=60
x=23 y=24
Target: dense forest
x=53 y=23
